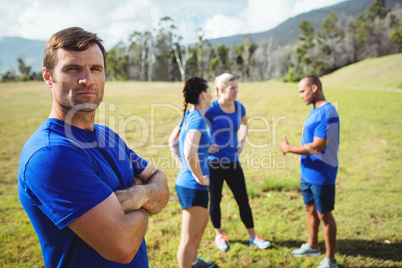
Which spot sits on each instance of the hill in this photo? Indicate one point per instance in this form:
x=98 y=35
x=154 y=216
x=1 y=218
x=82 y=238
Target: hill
x=375 y=73
x=287 y=32
x=30 y=51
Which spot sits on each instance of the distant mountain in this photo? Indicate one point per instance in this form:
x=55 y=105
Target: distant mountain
x=287 y=32
x=30 y=51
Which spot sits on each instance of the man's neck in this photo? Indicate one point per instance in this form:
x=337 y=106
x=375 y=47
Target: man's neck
x=320 y=103
x=83 y=120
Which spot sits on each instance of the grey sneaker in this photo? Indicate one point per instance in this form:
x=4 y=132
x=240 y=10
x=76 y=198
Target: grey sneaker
x=203 y=264
x=326 y=263
x=306 y=250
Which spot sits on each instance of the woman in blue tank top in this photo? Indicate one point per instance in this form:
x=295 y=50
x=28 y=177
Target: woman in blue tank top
x=226 y=116
x=189 y=144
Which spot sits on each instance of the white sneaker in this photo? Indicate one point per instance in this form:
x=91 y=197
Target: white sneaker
x=327 y=263
x=306 y=250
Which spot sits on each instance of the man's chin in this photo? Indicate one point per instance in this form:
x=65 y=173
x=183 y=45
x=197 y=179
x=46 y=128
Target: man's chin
x=86 y=107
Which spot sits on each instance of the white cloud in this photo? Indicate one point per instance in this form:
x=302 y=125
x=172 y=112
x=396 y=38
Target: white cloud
x=221 y=25
x=261 y=15
x=116 y=20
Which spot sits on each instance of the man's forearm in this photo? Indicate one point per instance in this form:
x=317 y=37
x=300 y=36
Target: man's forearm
x=158 y=191
x=151 y=196
x=305 y=149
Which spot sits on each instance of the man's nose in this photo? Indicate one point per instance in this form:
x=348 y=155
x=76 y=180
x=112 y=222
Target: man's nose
x=86 y=78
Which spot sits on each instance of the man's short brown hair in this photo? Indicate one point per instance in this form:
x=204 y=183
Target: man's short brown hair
x=75 y=39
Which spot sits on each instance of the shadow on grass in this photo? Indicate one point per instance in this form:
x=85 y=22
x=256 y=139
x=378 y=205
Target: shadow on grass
x=351 y=247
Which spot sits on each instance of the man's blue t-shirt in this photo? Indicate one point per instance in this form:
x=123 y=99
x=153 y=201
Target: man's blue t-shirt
x=321 y=169
x=193 y=120
x=224 y=129
x=65 y=171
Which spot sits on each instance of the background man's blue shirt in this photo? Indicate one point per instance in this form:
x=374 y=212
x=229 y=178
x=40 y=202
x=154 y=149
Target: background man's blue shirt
x=65 y=171
x=321 y=169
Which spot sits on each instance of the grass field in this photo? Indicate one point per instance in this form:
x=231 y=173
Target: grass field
x=368 y=202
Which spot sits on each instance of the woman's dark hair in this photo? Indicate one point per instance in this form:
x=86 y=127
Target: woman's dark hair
x=192 y=89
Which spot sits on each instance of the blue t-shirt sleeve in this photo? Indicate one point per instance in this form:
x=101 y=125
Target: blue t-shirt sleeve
x=63 y=183
x=242 y=109
x=138 y=163
x=320 y=130
x=197 y=123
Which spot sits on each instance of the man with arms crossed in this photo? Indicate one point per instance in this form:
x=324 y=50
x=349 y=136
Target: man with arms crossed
x=319 y=166
x=86 y=193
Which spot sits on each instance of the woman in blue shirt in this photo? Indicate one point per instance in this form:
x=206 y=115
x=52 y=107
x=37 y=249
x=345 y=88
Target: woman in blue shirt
x=225 y=116
x=189 y=144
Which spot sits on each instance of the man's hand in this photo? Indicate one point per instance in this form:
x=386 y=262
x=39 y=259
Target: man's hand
x=284 y=146
x=213 y=148
x=127 y=202
x=150 y=191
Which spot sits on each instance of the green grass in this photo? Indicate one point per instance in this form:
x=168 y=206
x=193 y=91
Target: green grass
x=379 y=73
x=368 y=206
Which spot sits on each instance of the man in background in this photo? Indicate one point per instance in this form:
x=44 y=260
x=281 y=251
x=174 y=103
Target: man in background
x=319 y=167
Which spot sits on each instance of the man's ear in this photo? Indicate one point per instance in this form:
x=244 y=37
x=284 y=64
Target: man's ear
x=314 y=88
x=47 y=77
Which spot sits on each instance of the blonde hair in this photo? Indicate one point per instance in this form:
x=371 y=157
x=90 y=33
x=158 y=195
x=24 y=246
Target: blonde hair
x=222 y=81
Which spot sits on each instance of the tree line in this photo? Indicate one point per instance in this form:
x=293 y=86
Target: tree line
x=160 y=55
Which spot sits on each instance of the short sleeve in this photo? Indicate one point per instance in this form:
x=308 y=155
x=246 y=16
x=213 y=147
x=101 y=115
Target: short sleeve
x=242 y=109
x=138 y=163
x=321 y=128
x=197 y=123
x=63 y=183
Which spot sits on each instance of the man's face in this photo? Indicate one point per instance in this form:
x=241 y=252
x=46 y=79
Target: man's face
x=306 y=92
x=78 y=79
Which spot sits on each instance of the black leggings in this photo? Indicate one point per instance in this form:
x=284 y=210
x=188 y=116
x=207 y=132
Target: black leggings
x=232 y=173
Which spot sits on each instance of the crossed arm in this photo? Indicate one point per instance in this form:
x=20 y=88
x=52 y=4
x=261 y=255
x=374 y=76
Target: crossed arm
x=116 y=227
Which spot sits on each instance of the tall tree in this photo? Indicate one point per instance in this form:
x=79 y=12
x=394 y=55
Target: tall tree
x=182 y=55
x=223 y=51
x=165 y=59
x=117 y=62
x=24 y=69
x=357 y=35
x=141 y=44
x=377 y=9
x=330 y=38
x=200 y=51
x=304 y=50
x=396 y=37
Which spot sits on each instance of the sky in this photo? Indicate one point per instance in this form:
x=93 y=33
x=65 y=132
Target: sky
x=114 y=21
